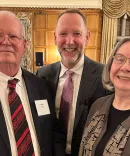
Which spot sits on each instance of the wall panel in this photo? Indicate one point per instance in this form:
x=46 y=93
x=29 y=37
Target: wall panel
x=43 y=26
x=39 y=37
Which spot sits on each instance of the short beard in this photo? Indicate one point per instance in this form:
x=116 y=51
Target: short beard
x=73 y=61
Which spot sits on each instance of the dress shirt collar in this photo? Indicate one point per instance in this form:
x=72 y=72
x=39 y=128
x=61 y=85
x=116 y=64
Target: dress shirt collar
x=4 y=78
x=76 y=69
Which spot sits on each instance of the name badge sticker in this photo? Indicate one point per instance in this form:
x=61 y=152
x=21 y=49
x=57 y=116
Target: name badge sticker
x=42 y=107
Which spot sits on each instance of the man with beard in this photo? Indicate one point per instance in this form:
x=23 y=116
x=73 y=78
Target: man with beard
x=71 y=37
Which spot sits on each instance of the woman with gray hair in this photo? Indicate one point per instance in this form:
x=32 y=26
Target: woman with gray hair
x=107 y=130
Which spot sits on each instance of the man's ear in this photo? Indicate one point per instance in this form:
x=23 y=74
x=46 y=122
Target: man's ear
x=87 y=37
x=55 y=38
x=25 y=45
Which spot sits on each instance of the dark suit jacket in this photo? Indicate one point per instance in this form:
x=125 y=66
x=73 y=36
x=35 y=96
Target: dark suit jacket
x=90 y=89
x=45 y=125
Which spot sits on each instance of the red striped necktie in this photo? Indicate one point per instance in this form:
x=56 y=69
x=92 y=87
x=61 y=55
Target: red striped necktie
x=20 y=125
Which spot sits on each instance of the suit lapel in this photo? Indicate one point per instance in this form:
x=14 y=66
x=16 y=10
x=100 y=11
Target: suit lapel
x=55 y=71
x=32 y=96
x=85 y=89
x=3 y=129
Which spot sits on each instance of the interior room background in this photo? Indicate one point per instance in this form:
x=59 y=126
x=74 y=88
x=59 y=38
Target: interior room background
x=107 y=20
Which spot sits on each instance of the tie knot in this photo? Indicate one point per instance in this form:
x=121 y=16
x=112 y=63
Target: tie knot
x=12 y=83
x=69 y=73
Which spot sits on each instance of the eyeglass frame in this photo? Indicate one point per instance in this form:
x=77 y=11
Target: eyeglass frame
x=9 y=38
x=122 y=56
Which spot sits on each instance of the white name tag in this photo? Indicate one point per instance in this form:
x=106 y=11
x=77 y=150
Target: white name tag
x=42 y=107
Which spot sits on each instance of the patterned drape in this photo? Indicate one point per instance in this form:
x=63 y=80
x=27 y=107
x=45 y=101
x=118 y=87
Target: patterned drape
x=26 y=20
x=113 y=9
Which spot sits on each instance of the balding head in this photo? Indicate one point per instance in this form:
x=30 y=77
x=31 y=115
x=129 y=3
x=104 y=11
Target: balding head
x=11 y=15
x=12 y=43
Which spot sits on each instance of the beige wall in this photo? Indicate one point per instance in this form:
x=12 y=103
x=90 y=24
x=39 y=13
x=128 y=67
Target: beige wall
x=52 y=3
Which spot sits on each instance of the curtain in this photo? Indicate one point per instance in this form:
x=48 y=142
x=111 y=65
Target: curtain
x=112 y=9
x=109 y=34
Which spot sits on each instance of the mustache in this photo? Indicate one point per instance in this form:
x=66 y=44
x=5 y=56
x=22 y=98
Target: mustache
x=70 y=47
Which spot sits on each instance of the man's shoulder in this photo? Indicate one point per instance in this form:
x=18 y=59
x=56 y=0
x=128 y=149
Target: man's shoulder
x=96 y=67
x=48 y=69
x=94 y=63
x=27 y=75
x=52 y=65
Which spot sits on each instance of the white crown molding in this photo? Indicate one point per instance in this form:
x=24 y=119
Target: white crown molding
x=52 y=4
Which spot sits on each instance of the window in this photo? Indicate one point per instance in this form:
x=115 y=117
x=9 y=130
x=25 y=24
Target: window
x=123 y=27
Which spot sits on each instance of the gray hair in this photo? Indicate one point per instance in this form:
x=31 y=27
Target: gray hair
x=106 y=72
x=9 y=13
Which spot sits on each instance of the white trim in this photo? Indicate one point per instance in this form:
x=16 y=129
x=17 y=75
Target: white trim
x=123 y=25
x=52 y=3
x=121 y=37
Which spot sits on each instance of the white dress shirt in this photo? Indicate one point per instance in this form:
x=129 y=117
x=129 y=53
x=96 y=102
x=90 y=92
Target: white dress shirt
x=77 y=69
x=22 y=92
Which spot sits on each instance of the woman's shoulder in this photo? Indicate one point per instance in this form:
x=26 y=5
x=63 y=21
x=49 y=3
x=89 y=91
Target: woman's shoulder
x=102 y=99
x=97 y=105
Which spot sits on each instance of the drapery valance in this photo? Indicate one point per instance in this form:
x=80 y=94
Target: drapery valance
x=112 y=9
x=116 y=8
